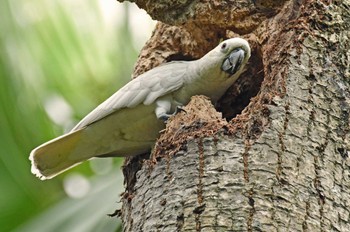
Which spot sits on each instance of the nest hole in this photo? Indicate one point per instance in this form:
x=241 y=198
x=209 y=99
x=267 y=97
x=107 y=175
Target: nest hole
x=238 y=96
x=179 y=57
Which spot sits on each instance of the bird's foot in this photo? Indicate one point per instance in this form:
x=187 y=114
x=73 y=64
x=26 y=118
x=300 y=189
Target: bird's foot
x=165 y=117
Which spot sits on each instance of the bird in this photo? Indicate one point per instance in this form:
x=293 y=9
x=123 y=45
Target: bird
x=128 y=123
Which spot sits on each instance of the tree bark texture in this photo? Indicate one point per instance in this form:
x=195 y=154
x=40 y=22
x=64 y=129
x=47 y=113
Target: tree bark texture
x=281 y=164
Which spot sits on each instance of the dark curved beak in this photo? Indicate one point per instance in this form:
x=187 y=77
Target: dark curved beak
x=233 y=61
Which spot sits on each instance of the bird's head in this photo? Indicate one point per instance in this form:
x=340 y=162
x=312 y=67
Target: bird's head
x=231 y=55
x=236 y=53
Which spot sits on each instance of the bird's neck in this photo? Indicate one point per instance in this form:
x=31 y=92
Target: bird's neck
x=204 y=79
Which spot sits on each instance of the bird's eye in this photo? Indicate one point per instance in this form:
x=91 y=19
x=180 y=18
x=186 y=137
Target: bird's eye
x=224 y=47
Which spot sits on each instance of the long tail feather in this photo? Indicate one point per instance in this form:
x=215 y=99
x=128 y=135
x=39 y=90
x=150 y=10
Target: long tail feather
x=55 y=156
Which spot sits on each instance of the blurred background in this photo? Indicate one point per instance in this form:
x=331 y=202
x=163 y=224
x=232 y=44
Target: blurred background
x=58 y=60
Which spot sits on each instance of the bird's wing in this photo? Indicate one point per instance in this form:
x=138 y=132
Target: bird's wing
x=145 y=89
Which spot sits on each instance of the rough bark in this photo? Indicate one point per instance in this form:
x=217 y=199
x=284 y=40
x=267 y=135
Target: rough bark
x=279 y=165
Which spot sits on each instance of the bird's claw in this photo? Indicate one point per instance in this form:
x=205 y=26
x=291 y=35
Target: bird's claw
x=165 y=117
x=179 y=109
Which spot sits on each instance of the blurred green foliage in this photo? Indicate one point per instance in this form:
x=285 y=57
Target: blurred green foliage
x=54 y=50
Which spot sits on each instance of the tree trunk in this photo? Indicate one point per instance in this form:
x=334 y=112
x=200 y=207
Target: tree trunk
x=282 y=163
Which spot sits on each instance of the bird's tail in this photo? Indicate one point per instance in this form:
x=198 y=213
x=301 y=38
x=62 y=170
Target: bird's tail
x=56 y=156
